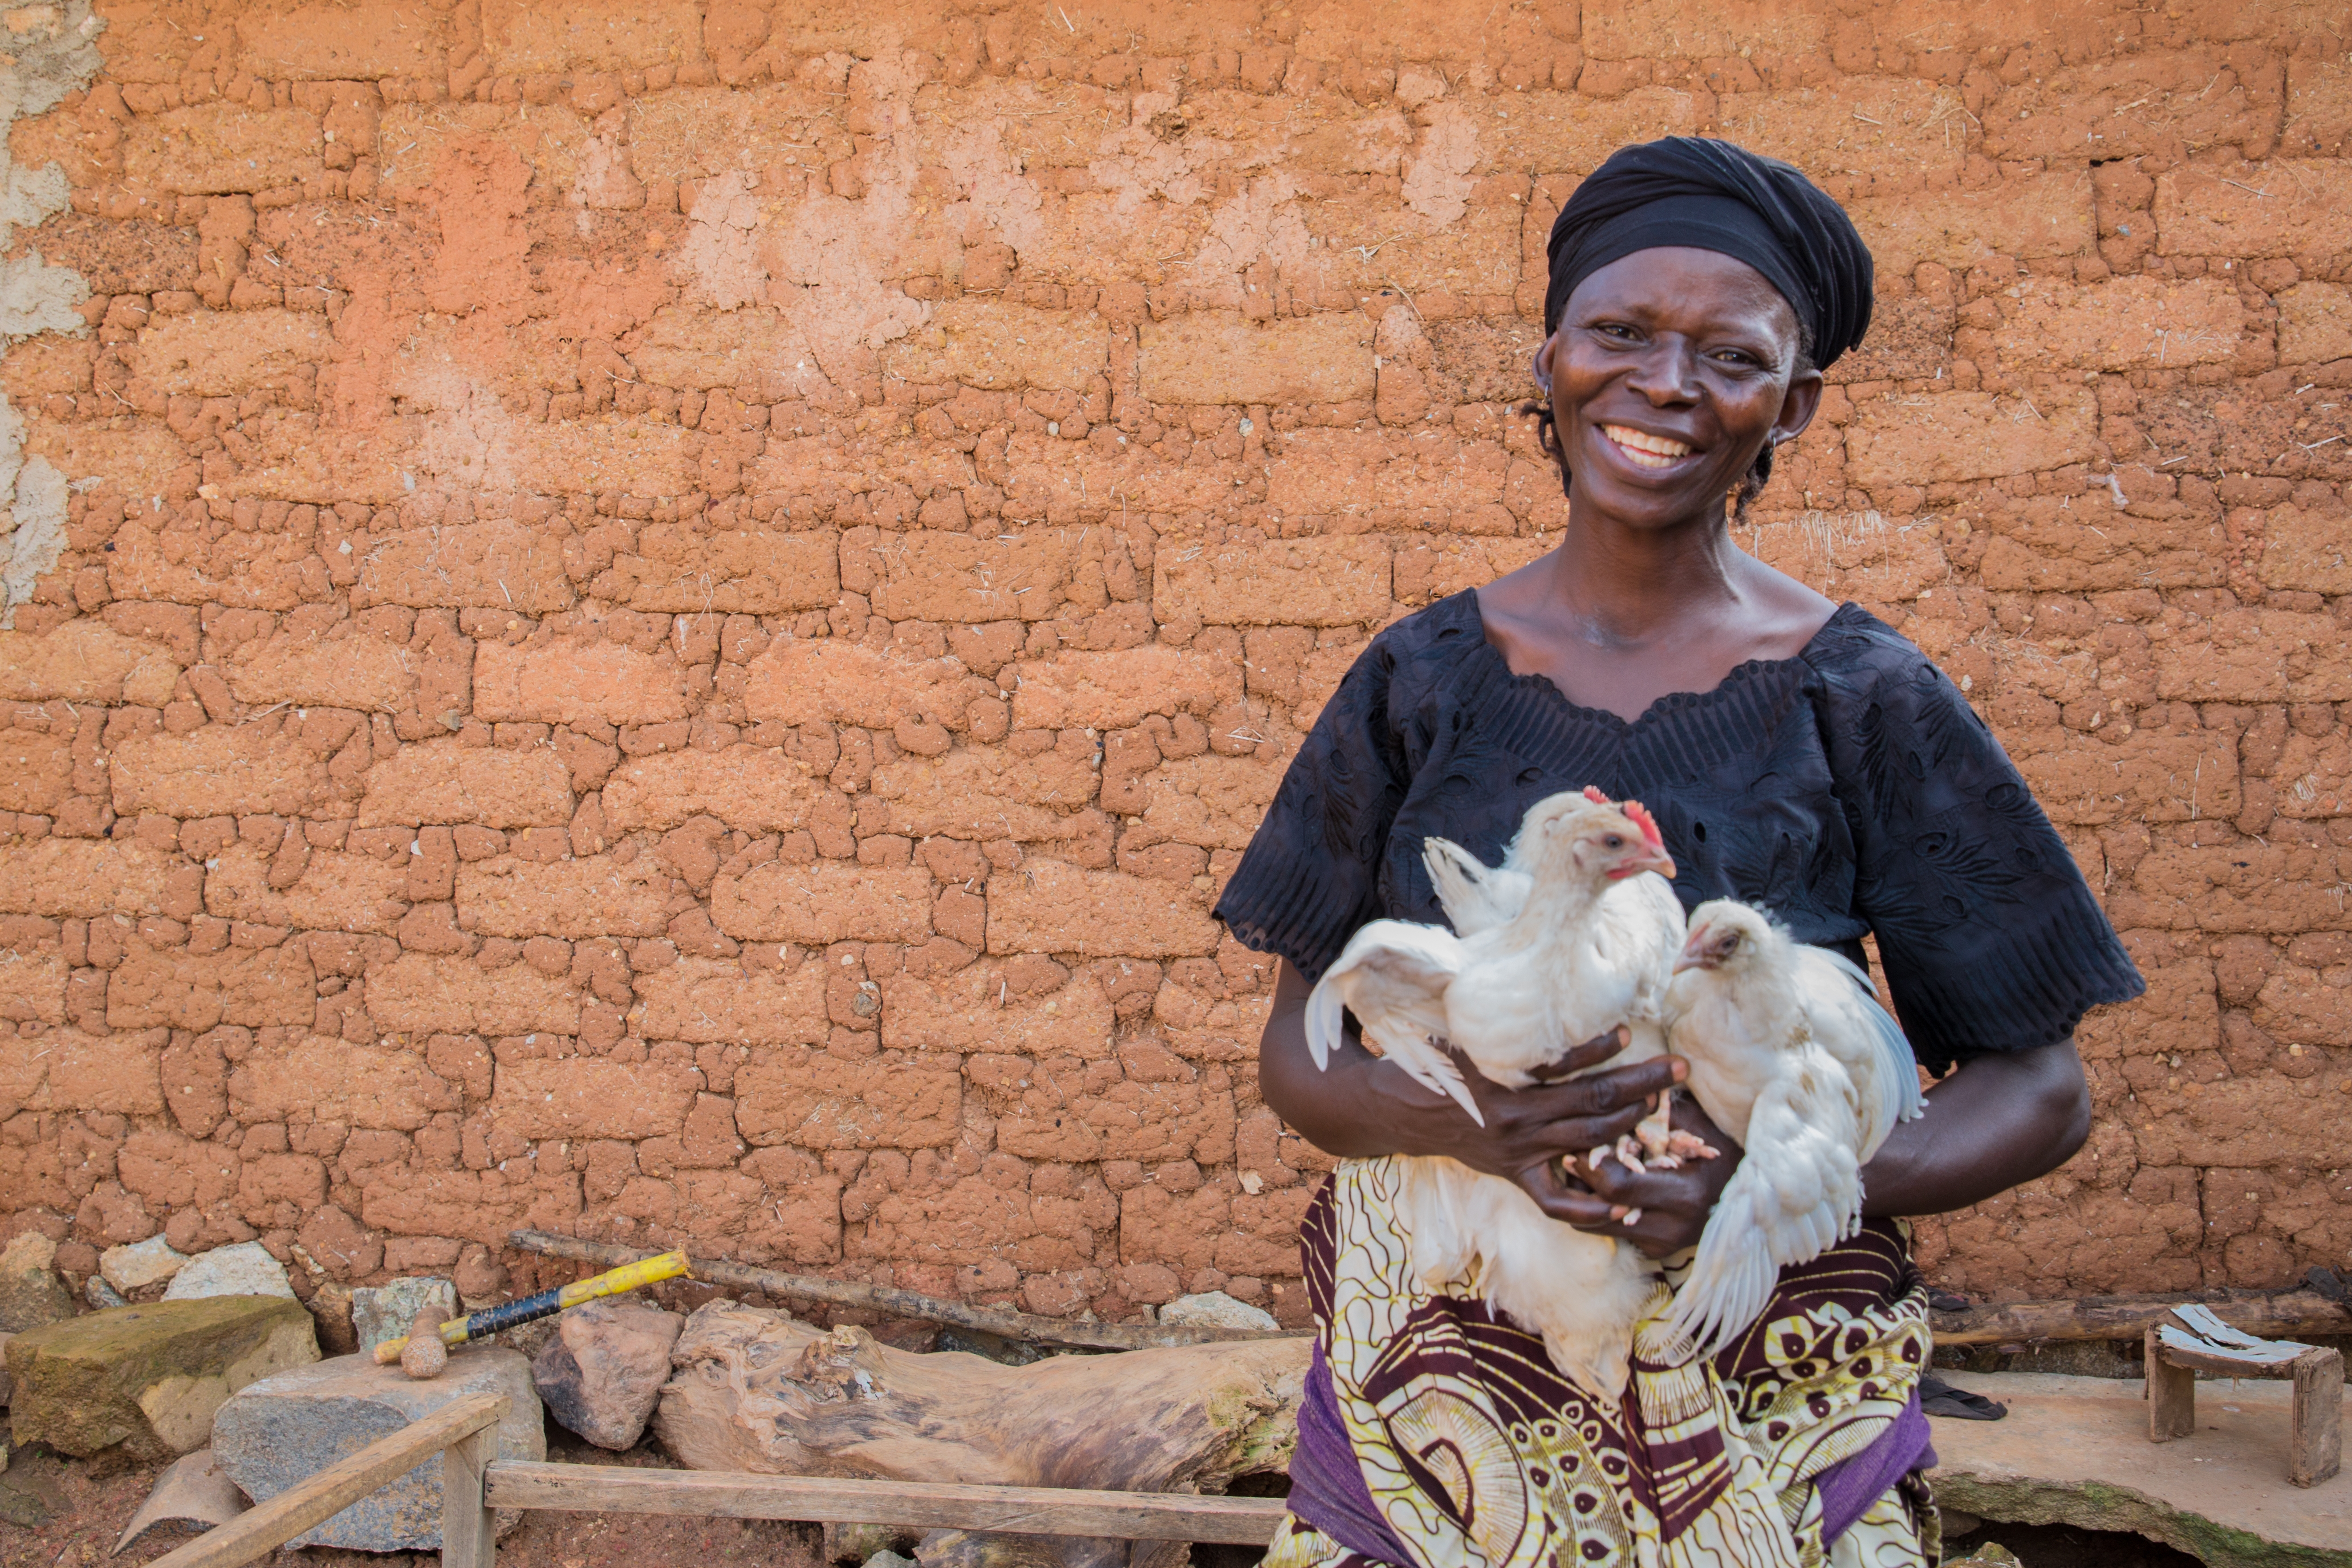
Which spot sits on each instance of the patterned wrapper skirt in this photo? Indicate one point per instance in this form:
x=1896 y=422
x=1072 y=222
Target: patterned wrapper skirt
x=1437 y=1433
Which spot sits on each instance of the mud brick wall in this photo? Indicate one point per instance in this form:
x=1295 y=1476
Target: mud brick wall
x=662 y=619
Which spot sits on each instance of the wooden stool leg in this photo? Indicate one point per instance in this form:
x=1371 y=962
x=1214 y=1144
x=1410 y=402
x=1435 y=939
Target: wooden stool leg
x=469 y=1531
x=2172 y=1396
x=2317 y=1450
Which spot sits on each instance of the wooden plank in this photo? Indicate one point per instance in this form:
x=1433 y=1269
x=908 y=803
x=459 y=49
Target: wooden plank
x=271 y=1524
x=2317 y=1449
x=2171 y=1396
x=1017 y=1511
x=469 y=1531
x=2274 y=1314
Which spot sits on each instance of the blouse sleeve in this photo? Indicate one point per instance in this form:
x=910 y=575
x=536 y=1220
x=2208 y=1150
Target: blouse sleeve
x=1989 y=936
x=1310 y=876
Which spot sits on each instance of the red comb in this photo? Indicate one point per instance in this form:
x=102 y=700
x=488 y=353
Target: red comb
x=1645 y=821
x=1592 y=793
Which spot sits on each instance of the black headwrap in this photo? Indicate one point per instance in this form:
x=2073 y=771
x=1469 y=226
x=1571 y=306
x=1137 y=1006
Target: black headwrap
x=1712 y=195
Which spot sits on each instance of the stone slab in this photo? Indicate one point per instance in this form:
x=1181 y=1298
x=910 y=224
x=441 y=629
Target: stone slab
x=244 y=1269
x=2075 y=1450
x=380 y=1312
x=287 y=1428
x=148 y=1379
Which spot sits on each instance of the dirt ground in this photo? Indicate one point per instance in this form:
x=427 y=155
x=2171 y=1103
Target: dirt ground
x=84 y=1506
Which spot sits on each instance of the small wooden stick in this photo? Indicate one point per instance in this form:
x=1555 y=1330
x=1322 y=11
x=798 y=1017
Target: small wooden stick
x=1020 y=1326
x=469 y=1529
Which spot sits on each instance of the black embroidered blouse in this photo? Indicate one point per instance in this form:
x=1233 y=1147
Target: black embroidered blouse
x=1851 y=789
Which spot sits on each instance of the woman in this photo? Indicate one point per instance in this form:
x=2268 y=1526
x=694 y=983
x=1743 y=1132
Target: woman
x=1799 y=755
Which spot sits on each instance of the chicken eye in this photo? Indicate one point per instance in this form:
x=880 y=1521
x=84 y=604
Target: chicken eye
x=1615 y=841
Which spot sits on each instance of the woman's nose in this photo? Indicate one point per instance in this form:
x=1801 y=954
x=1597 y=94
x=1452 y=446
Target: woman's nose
x=1667 y=371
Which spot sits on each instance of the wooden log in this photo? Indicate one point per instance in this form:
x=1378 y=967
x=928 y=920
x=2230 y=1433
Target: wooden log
x=1023 y=1326
x=2275 y=1314
x=470 y=1529
x=1018 y=1510
x=752 y=1390
x=2171 y=1395
x=2315 y=1452
x=271 y=1524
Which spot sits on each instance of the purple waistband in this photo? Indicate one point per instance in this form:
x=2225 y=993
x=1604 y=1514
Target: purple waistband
x=1327 y=1490
x=1326 y=1484
x=1848 y=1488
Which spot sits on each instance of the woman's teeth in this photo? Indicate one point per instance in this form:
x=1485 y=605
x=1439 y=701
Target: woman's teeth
x=1645 y=450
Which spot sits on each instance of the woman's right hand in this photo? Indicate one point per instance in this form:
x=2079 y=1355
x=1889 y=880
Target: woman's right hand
x=1361 y=1107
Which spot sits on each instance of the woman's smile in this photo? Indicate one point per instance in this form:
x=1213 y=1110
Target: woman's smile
x=1644 y=450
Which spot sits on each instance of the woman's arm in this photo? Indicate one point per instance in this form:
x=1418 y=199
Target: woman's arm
x=1998 y=1123
x=1361 y=1107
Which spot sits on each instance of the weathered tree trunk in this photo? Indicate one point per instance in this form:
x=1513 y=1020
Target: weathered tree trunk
x=755 y=1389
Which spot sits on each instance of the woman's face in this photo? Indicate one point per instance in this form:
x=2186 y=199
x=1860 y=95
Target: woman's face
x=1671 y=369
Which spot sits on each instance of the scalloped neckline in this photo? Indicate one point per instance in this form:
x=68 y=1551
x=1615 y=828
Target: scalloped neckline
x=1668 y=702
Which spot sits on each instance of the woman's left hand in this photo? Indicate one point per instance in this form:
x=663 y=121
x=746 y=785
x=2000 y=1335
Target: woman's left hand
x=1674 y=1205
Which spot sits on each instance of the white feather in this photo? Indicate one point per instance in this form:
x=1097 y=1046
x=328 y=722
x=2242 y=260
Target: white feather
x=1792 y=1055
x=1475 y=897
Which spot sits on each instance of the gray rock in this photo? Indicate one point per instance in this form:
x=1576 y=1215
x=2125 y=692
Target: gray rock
x=603 y=1373
x=284 y=1429
x=30 y=1292
x=380 y=1312
x=139 y=1263
x=244 y=1269
x=101 y=1294
x=889 y=1560
x=1216 y=1309
x=5 y=1338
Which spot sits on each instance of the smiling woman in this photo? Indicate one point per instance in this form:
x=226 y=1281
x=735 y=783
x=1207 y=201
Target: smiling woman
x=1799 y=755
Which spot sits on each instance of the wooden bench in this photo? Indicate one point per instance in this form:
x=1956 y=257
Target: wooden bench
x=475 y=1483
x=2189 y=1340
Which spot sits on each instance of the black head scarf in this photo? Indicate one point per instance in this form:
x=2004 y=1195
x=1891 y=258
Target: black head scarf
x=1712 y=195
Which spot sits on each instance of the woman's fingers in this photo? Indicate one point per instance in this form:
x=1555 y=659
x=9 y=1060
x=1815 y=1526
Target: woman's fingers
x=1608 y=1090
x=1565 y=1199
x=1590 y=1054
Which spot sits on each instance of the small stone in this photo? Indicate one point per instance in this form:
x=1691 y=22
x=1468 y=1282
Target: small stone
x=1216 y=1309
x=30 y=1292
x=101 y=1294
x=148 y=1379
x=287 y=1428
x=140 y=1263
x=330 y=1308
x=380 y=1312
x=603 y=1372
x=244 y=1269
x=887 y=1559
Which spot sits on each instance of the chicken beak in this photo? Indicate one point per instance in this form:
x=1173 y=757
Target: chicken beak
x=1693 y=956
x=1656 y=860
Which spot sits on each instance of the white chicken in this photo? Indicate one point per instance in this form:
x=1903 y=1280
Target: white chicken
x=1792 y=1055
x=1584 y=945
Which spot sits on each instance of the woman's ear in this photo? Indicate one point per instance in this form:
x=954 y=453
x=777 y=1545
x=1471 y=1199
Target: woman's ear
x=1542 y=365
x=1798 y=407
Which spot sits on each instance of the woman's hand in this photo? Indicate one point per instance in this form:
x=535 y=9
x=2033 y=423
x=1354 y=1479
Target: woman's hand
x=1673 y=1204
x=1361 y=1107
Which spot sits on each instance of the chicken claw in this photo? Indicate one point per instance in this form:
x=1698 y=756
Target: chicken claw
x=1632 y=1218
x=1690 y=1146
